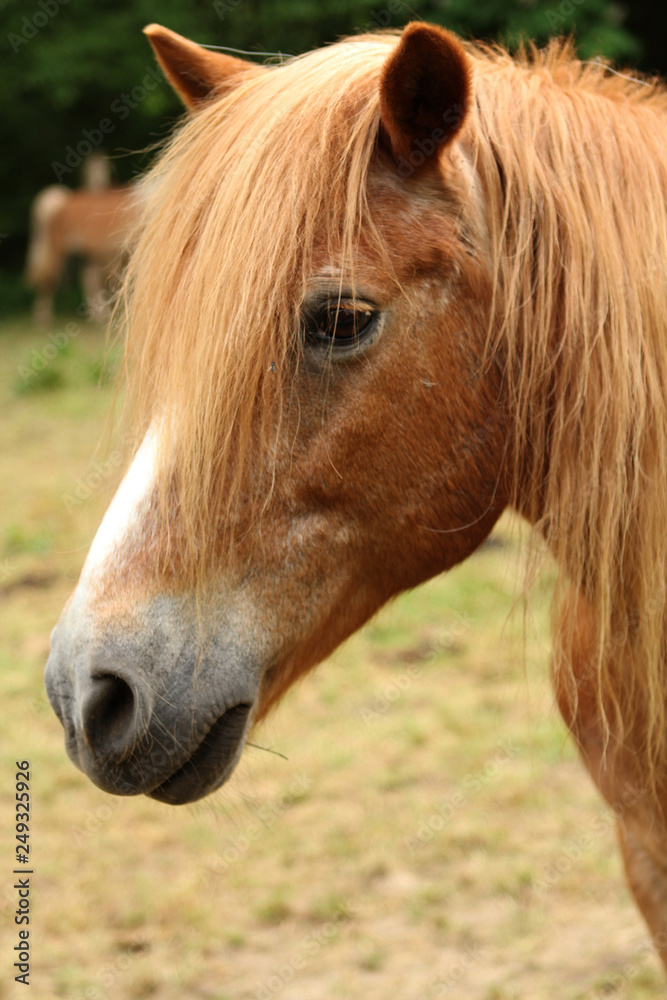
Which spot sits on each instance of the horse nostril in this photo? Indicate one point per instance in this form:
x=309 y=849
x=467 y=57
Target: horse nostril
x=112 y=720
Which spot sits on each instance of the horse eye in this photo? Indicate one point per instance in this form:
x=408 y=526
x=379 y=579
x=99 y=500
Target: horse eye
x=339 y=326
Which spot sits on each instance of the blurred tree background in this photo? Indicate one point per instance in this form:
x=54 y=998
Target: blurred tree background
x=67 y=65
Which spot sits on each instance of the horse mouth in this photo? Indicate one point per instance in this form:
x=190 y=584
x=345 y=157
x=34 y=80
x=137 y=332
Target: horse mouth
x=211 y=763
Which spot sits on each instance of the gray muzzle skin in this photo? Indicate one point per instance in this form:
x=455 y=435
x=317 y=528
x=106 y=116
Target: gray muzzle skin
x=150 y=707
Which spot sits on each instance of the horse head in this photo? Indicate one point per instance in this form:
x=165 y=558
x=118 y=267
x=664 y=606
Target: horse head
x=324 y=427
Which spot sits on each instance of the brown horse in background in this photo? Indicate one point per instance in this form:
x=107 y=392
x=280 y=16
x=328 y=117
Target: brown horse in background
x=383 y=292
x=92 y=224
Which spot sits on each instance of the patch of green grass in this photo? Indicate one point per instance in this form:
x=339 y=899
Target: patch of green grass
x=235 y=937
x=331 y=906
x=45 y=380
x=372 y=958
x=274 y=909
x=103 y=371
x=17 y=540
x=66 y=357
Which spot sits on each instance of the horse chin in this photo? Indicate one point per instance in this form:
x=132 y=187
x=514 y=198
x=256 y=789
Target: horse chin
x=211 y=764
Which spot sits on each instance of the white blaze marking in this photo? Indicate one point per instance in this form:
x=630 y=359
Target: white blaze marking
x=131 y=499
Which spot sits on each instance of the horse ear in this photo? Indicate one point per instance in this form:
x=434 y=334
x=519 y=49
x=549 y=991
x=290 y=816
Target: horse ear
x=424 y=95
x=195 y=73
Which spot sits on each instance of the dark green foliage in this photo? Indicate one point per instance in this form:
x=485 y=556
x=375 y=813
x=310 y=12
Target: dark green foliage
x=44 y=380
x=68 y=66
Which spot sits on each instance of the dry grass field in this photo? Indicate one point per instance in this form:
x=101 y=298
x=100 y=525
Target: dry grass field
x=431 y=833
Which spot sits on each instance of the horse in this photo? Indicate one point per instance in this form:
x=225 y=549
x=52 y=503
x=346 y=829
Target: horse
x=92 y=223
x=381 y=293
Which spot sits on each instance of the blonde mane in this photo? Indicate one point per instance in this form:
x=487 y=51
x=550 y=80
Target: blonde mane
x=573 y=163
x=576 y=162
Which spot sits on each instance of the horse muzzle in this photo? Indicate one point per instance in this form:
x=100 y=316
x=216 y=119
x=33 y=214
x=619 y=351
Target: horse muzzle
x=151 y=708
